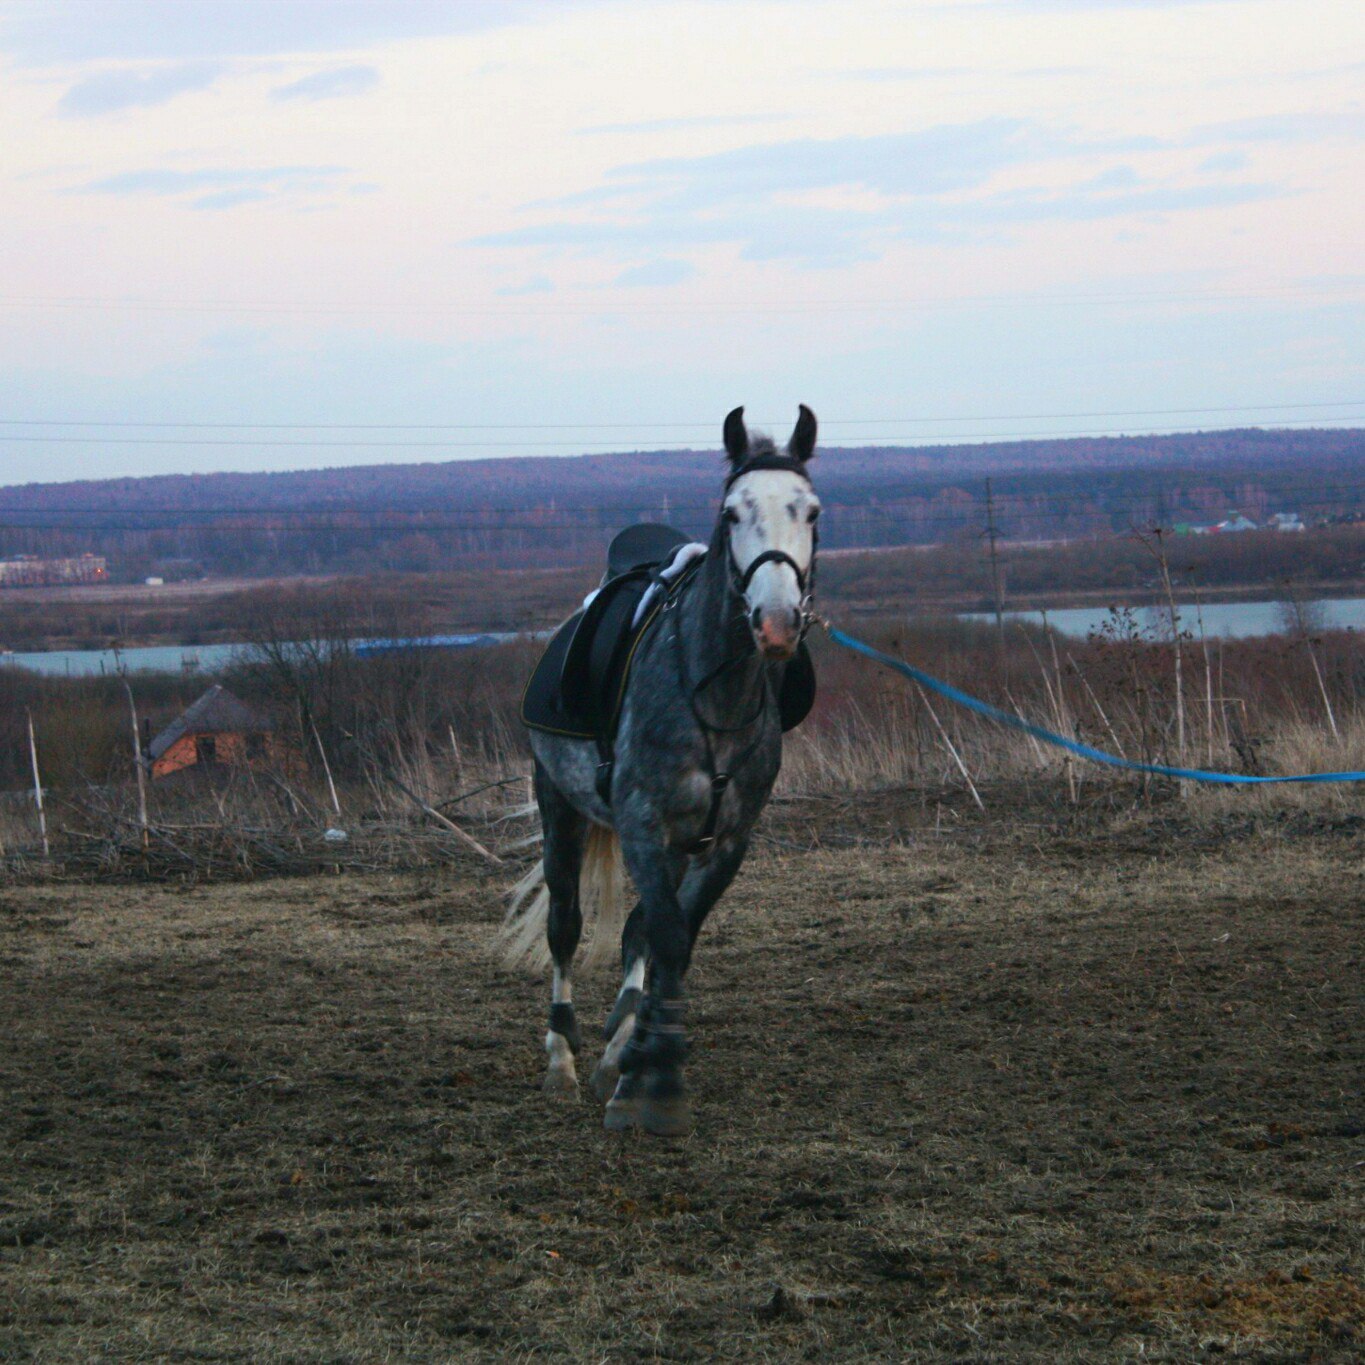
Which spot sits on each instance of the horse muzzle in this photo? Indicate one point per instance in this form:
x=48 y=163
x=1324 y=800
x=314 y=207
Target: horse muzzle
x=776 y=633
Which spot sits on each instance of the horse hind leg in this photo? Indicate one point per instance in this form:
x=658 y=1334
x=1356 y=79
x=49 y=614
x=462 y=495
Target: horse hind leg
x=563 y=854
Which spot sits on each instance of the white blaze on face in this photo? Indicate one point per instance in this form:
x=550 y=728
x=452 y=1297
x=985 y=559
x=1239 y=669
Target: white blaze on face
x=773 y=509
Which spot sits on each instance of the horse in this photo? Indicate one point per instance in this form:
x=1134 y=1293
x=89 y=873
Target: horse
x=695 y=753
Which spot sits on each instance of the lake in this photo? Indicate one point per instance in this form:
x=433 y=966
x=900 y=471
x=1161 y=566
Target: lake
x=1231 y=620
x=201 y=659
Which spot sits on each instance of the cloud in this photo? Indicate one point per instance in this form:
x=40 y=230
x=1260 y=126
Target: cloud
x=928 y=161
x=931 y=186
x=107 y=92
x=230 y=199
x=1083 y=205
x=1115 y=178
x=1070 y=5
x=78 y=30
x=220 y=188
x=734 y=196
x=878 y=74
x=341 y=83
x=1316 y=127
x=655 y=273
x=1224 y=161
x=537 y=284
x=671 y=125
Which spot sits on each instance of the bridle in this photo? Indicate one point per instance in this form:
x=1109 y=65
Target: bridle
x=740 y=579
x=805 y=578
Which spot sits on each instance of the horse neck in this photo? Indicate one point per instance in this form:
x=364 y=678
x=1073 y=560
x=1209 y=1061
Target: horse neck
x=715 y=632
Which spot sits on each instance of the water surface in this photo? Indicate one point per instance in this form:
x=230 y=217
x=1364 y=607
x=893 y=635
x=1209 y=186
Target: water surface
x=1230 y=620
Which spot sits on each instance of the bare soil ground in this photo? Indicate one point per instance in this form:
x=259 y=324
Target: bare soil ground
x=1059 y=1097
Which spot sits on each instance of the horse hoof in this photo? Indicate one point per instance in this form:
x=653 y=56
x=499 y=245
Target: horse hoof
x=665 y=1118
x=603 y=1080
x=621 y=1116
x=560 y=1085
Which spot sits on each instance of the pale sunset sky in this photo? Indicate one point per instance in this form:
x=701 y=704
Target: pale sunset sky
x=426 y=231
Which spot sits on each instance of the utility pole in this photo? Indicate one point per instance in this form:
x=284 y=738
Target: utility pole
x=998 y=591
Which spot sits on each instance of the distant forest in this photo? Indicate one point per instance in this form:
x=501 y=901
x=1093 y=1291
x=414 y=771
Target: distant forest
x=538 y=511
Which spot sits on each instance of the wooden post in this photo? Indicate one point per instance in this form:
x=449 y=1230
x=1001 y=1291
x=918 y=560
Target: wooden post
x=140 y=768
x=1158 y=535
x=1301 y=621
x=948 y=744
x=37 y=784
x=1155 y=545
x=1208 y=679
x=997 y=591
x=326 y=767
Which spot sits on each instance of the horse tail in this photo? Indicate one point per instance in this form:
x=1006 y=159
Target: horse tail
x=601 y=898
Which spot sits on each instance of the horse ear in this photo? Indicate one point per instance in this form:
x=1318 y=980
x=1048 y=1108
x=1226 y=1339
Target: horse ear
x=736 y=438
x=802 y=444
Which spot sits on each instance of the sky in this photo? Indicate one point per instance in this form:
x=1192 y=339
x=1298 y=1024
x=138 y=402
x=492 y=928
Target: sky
x=283 y=234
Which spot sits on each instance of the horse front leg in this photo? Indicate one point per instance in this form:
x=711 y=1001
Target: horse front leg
x=620 y=1023
x=650 y=1092
x=703 y=884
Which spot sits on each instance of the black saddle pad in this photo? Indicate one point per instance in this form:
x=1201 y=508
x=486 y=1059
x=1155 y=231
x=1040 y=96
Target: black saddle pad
x=542 y=705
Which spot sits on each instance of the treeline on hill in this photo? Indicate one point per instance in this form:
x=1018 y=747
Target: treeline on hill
x=426 y=604
x=539 y=511
x=956 y=576
x=1271 y=563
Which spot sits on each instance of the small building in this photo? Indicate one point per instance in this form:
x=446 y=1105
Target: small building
x=218 y=729
x=32 y=571
x=1236 y=522
x=1286 y=521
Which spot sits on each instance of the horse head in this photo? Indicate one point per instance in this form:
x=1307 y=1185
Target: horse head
x=769 y=516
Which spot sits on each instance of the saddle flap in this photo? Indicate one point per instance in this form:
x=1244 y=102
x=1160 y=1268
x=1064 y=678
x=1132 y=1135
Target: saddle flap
x=596 y=657
x=796 y=695
x=543 y=704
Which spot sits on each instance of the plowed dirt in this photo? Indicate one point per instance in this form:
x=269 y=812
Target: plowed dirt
x=1079 y=1099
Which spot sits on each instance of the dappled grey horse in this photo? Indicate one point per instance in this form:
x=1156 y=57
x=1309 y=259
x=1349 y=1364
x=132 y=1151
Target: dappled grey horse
x=695 y=753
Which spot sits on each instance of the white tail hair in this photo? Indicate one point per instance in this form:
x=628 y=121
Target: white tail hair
x=601 y=897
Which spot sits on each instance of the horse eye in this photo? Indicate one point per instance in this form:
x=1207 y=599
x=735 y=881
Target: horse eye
x=812 y=514
x=730 y=515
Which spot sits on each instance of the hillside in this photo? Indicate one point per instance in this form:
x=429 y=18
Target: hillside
x=535 y=510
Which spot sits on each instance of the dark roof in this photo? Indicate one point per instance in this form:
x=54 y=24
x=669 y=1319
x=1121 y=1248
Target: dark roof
x=217 y=711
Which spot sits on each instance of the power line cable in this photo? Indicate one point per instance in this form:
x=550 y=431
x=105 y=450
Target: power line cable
x=277 y=523
x=708 y=427
x=306 y=308
x=987 y=437
x=1016 y=500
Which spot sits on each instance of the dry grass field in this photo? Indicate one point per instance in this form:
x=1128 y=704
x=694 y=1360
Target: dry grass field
x=996 y=1092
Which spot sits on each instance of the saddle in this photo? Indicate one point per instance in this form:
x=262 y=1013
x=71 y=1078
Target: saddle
x=578 y=686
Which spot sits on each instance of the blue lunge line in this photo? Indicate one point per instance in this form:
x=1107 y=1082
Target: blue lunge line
x=984 y=708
